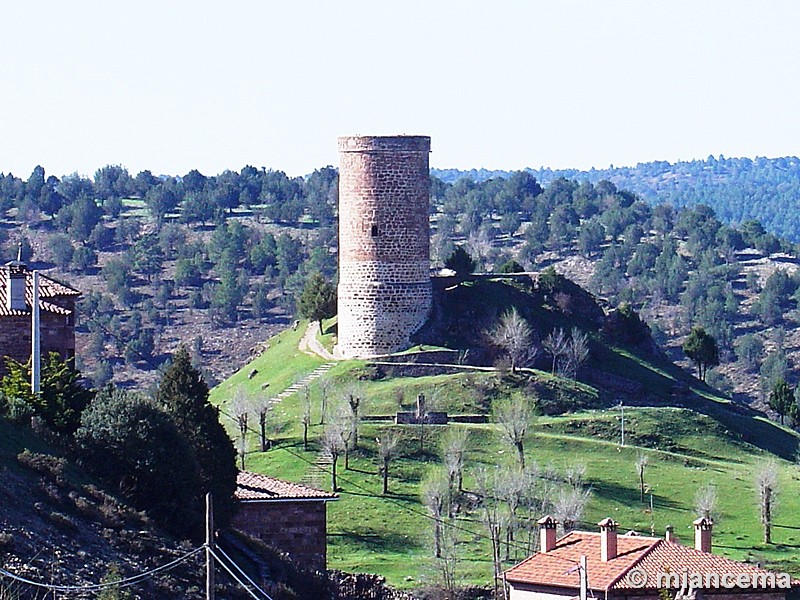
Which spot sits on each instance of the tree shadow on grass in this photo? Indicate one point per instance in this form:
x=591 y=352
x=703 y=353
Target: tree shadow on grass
x=684 y=391
x=390 y=496
x=753 y=430
x=372 y=541
x=630 y=497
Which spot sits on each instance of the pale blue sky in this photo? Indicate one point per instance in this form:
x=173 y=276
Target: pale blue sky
x=170 y=86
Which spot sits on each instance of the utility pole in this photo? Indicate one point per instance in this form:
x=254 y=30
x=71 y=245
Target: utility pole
x=622 y=423
x=584 y=578
x=209 y=547
x=36 y=355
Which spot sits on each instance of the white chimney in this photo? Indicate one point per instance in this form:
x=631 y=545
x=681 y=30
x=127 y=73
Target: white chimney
x=547 y=533
x=15 y=286
x=608 y=539
x=702 y=534
x=670 y=536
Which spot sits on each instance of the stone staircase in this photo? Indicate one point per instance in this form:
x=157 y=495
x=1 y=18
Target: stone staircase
x=318 y=475
x=299 y=385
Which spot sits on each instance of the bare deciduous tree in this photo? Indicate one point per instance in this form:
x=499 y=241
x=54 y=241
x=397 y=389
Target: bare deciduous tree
x=261 y=406
x=324 y=392
x=510 y=487
x=479 y=245
x=436 y=498
x=493 y=518
x=424 y=405
x=515 y=415
x=555 y=344
x=575 y=474
x=333 y=444
x=575 y=354
x=387 y=449
x=354 y=396
x=447 y=563
x=705 y=502
x=569 y=506
x=344 y=419
x=454 y=449
x=306 y=418
x=240 y=406
x=641 y=464
x=514 y=335
x=767 y=489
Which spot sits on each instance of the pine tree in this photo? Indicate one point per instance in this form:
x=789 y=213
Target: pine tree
x=781 y=399
x=184 y=395
x=461 y=262
x=318 y=300
x=701 y=347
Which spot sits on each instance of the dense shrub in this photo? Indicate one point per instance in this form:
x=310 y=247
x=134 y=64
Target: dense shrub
x=132 y=444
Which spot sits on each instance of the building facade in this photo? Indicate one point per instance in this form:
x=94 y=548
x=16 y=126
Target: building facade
x=56 y=315
x=290 y=517
x=384 y=292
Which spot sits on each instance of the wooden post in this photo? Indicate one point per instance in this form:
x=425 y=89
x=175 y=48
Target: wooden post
x=209 y=547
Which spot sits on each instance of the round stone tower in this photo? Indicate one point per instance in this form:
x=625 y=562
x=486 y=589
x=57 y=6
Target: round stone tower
x=384 y=243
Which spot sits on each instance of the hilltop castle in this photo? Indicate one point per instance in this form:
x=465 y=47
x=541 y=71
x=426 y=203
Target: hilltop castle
x=384 y=292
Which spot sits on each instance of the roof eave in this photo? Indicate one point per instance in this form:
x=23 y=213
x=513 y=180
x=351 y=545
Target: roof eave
x=271 y=500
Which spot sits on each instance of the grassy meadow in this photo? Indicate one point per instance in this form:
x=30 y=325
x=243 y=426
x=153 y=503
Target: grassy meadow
x=391 y=535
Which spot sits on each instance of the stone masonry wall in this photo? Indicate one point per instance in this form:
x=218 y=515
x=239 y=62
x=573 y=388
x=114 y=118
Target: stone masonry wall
x=57 y=331
x=384 y=289
x=296 y=528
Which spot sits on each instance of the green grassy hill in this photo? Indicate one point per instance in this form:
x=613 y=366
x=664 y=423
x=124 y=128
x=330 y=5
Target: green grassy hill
x=702 y=441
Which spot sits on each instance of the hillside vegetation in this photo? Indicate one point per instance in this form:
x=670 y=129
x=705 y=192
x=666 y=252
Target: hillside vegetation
x=573 y=446
x=59 y=526
x=737 y=189
x=218 y=262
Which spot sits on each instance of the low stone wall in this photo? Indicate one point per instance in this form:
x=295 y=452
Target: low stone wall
x=440 y=356
x=409 y=417
x=363 y=586
x=417 y=370
x=469 y=419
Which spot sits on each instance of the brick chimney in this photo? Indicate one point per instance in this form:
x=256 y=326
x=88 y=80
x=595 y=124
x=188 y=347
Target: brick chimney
x=547 y=533
x=702 y=534
x=15 y=285
x=670 y=536
x=608 y=539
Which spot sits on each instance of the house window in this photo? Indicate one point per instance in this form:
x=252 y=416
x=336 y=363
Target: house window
x=374 y=231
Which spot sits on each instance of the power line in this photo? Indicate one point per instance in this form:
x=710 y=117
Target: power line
x=129 y=581
x=100 y=586
x=239 y=569
x=239 y=581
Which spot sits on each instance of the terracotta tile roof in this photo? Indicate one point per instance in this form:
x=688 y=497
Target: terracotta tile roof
x=676 y=558
x=48 y=288
x=557 y=568
x=255 y=487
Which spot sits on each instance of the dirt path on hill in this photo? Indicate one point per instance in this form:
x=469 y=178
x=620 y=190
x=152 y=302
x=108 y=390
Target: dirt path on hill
x=310 y=344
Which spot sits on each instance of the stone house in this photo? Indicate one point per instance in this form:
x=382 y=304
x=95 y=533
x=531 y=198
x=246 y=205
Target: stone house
x=633 y=567
x=290 y=517
x=56 y=314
